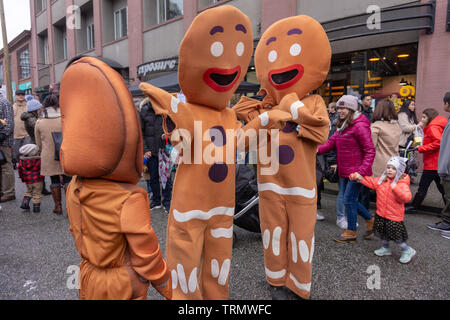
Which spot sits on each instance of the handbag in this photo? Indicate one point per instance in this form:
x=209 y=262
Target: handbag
x=2 y=158
x=57 y=140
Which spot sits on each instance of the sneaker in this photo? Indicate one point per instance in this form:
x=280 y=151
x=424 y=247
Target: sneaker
x=407 y=255
x=155 y=206
x=319 y=216
x=383 y=252
x=445 y=234
x=439 y=226
x=342 y=223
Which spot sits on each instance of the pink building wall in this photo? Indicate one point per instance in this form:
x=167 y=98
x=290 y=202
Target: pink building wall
x=433 y=63
x=272 y=11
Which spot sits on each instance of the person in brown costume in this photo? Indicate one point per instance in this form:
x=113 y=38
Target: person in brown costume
x=109 y=215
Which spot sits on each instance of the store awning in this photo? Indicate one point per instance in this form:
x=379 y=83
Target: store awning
x=169 y=82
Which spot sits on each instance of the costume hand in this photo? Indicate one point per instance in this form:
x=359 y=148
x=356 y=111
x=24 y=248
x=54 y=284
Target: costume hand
x=274 y=119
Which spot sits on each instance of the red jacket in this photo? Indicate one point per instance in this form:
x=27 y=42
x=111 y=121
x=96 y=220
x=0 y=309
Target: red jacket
x=390 y=201
x=432 y=142
x=30 y=170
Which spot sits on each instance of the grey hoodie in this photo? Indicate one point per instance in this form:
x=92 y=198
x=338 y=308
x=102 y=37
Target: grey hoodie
x=444 y=154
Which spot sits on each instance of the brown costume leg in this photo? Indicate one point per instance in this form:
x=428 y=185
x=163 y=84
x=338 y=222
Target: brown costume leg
x=302 y=219
x=217 y=258
x=274 y=231
x=183 y=255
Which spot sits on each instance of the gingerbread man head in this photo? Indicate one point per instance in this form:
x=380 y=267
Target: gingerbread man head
x=214 y=56
x=292 y=56
x=100 y=125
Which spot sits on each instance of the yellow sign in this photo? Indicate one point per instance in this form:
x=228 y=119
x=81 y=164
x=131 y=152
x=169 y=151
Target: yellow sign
x=407 y=91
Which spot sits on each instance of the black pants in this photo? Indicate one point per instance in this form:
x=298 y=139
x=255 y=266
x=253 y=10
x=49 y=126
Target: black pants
x=56 y=180
x=428 y=176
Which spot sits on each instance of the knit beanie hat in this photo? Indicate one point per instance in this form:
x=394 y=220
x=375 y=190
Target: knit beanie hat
x=29 y=150
x=400 y=165
x=348 y=101
x=33 y=105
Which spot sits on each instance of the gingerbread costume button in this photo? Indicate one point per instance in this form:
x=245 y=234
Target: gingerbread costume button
x=218 y=172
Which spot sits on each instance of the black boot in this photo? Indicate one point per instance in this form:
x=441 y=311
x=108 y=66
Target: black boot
x=415 y=204
x=279 y=293
x=36 y=207
x=25 y=203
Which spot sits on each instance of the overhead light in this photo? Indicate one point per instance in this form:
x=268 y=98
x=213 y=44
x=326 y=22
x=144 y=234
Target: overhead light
x=395 y=62
x=384 y=58
x=404 y=55
x=374 y=59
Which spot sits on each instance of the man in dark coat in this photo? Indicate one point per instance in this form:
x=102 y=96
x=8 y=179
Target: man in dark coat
x=153 y=141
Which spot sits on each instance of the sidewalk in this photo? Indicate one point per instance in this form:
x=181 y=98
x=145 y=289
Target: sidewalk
x=433 y=203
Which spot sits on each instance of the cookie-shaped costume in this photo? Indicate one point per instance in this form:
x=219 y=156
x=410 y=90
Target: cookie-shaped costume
x=213 y=58
x=109 y=215
x=292 y=59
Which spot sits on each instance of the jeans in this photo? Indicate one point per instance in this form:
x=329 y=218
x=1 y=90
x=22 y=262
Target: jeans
x=349 y=204
x=153 y=170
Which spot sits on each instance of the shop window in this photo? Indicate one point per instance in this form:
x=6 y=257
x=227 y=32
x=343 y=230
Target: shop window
x=46 y=52
x=380 y=72
x=169 y=9
x=24 y=64
x=120 y=23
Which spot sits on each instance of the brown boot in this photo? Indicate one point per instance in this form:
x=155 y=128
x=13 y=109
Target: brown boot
x=369 y=232
x=56 y=194
x=348 y=236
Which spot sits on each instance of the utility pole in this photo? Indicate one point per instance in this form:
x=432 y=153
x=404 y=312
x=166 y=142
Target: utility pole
x=6 y=54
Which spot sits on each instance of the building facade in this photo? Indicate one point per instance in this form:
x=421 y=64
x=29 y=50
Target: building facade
x=19 y=61
x=394 y=47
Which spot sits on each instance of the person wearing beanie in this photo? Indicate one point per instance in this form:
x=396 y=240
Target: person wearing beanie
x=21 y=136
x=30 y=173
x=29 y=118
x=355 y=153
x=393 y=192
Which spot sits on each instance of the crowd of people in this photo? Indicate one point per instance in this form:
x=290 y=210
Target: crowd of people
x=366 y=146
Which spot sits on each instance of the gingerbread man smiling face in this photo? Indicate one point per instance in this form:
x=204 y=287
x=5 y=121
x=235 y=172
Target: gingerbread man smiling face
x=210 y=74
x=293 y=56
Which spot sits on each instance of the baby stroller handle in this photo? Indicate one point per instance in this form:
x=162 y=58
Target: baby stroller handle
x=247 y=206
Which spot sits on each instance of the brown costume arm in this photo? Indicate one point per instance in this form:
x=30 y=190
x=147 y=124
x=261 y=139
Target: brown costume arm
x=310 y=113
x=169 y=107
x=247 y=108
x=145 y=253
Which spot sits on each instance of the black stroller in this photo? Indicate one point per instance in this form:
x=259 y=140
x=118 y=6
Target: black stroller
x=246 y=212
x=411 y=163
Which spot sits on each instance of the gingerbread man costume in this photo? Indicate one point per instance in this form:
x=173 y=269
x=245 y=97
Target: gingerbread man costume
x=291 y=59
x=109 y=215
x=213 y=59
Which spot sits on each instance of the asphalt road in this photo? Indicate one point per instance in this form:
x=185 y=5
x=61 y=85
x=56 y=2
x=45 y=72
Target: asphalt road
x=38 y=259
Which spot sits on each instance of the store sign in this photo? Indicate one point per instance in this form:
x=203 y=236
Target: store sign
x=25 y=86
x=158 y=66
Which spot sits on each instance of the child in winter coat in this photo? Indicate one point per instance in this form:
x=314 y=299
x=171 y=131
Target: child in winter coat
x=393 y=192
x=30 y=172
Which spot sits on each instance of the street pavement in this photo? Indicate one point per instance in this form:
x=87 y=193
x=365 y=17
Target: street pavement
x=39 y=261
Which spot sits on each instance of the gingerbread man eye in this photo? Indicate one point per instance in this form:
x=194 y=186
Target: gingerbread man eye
x=295 y=49
x=272 y=56
x=240 y=49
x=216 y=49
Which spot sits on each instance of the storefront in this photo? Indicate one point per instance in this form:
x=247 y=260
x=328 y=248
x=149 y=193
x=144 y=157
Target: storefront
x=380 y=72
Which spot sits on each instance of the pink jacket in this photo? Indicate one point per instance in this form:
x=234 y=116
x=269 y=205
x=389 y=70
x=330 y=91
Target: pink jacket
x=390 y=201
x=354 y=148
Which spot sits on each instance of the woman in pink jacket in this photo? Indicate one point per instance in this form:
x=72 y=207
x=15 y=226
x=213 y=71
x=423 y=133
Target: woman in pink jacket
x=392 y=193
x=355 y=153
